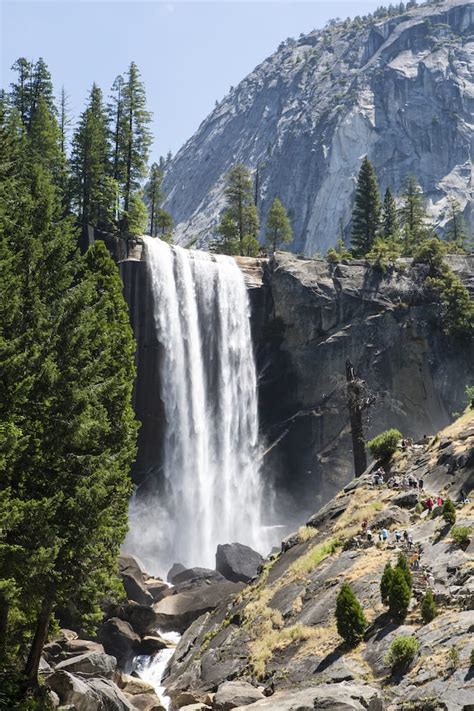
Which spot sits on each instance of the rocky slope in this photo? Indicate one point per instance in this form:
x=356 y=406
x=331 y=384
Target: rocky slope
x=278 y=636
x=400 y=90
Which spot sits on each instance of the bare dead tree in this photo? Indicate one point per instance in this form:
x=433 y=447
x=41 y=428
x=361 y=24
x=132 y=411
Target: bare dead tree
x=359 y=399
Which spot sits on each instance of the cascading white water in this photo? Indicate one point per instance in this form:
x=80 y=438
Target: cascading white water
x=213 y=489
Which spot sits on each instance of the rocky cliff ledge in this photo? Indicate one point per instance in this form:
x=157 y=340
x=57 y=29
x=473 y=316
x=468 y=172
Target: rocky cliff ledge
x=308 y=317
x=279 y=633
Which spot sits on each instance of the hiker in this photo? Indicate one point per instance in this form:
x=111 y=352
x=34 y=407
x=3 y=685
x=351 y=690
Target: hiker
x=410 y=541
x=405 y=536
x=398 y=536
x=385 y=534
x=365 y=523
x=429 y=504
x=420 y=484
x=369 y=535
x=439 y=501
x=376 y=479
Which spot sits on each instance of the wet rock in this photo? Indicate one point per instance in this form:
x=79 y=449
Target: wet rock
x=141 y=617
x=177 y=612
x=237 y=563
x=174 y=570
x=133 y=578
x=91 y=664
x=196 y=575
x=151 y=644
x=232 y=694
x=146 y=702
x=406 y=500
x=118 y=639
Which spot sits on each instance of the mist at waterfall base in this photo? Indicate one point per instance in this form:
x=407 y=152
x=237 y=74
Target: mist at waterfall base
x=210 y=488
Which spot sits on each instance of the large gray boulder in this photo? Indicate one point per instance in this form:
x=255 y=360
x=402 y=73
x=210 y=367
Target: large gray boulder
x=232 y=694
x=90 y=695
x=133 y=579
x=237 y=562
x=196 y=575
x=177 y=612
x=340 y=697
x=91 y=664
x=119 y=639
x=175 y=569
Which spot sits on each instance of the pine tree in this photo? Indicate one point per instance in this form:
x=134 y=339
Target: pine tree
x=456 y=232
x=366 y=211
x=399 y=595
x=428 y=607
x=64 y=118
x=41 y=88
x=350 y=618
x=390 y=218
x=135 y=139
x=278 y=226
x=412 y=215
x=20 y=94
x=402 y=564
x=239 y=221
x=164 y=225
x=94 y=190
x=137 y=216
x=154 y=195
x=116 y=122
x=385 y=583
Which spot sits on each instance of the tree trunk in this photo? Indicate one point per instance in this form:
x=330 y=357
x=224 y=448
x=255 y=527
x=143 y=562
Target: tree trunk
x=3 y=624
x=41 y=633
x=354 y=401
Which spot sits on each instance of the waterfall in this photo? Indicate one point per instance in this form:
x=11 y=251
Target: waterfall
x=211 y=488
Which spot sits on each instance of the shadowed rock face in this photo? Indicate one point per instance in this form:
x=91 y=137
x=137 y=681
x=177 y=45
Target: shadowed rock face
x=308 y=317
x=400 y=90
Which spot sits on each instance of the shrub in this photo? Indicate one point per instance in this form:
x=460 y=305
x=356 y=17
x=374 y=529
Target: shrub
x=449 y=512
x=461 y=535
x=453 y=657
x=385 y=583
x=402 y=564
x=350 y=618
x=385 y=444
x=402 y=652
x=399 y=596
x=470 y=396
x=471 y=658
x=428 y=607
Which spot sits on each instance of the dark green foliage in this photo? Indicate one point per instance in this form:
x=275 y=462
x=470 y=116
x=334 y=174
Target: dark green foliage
x=385 y=583
x=278 y=226
x=366 y=211
x=470 y=396
x=428 y=607
x=338 y=253
x=402 y=564
x=402 y=652
x=471 y=658
x=161 y=222
x=412 y=216
x=399 y=595
x=385 y=444
x=449 y=512
x=350 y=618
x=390 y=224
x=137 y=216
x=95 y=192
x=239 y=221
x=456 y=232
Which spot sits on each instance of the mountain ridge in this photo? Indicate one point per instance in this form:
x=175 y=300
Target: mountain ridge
x=400 y=90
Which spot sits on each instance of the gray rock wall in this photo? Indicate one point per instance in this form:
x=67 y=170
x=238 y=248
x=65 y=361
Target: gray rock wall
x=401 y=91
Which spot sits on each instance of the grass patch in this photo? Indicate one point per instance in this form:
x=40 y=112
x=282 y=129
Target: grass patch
x=305 y=533
x=313 y=557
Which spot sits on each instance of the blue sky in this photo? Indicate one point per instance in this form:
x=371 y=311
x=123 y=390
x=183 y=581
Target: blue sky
x=189 y=52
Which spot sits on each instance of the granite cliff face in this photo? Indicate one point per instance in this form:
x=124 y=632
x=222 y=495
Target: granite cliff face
x=400 y=90
x=308 y=317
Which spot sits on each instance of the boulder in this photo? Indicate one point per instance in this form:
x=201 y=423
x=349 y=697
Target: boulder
x=195 y=707
x=80 y=646
x=237 y=562
x=343 y=697
x=232 y=694
x=177 y=612
x=146 y=702
x=119 y=639
x=406 y=500
x=134 y=685
x=141 y=618
x=90 y=695
x=133 y=579
x=91 y=664
x=196 y=575
x=151 y=644
x=174 y=570
x=157 y=588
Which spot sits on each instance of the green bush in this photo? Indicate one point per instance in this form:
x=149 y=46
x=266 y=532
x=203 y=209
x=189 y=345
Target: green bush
x=471 y=658
x=402 y=652
x=402 y=564
x=399 y=596
x=470 y=396
x=453 y=657
x=428 y=607
x=461 y=535
x=385 y=444
x=350 y=618
x=449 y=512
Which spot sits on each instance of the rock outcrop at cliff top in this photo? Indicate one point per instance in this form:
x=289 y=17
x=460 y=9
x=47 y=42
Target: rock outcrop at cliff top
x=281 y=630
x=400 y=90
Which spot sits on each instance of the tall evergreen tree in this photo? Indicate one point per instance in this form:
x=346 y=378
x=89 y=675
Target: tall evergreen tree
x=399 y=595
x=278 y=226
x=64 y=118
x=366 y=211
x=94 y=189
x=45 y=142
x=239 y=221
x=136 y=137
x=412 y=215
x=164 y=225
x=350 y=618
x=390 y=217
x=41 y=88
x=154 y=195
x=456 y=232
x=20 y=91
x=116 y=121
